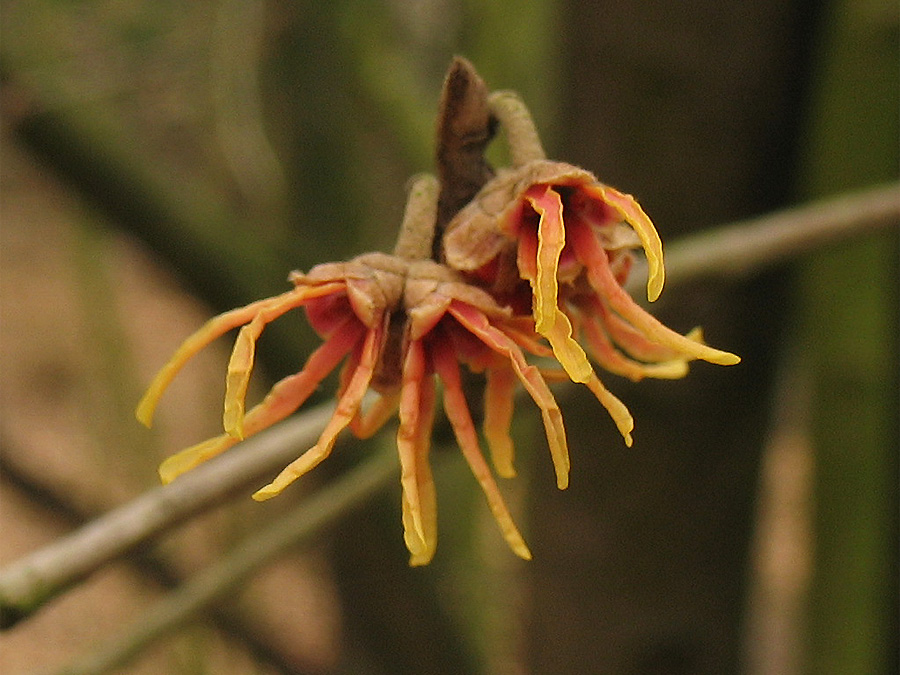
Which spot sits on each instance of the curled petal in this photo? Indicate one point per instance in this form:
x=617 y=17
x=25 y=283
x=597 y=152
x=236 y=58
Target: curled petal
x=566 y=350
x=616 y=409
x=237 y=378
x=632 y=213
x=283 y=399
x=216 y=327
x=212 y=329
x=550 y=321
x=189 y=458
x=461 y=420
x=551 y=241
x=604 y=283
x=613 y=360
x=407 y=435
x=427 y=493
x=477 y=323
x=413 y=444
x=291 y=392
x=525 y=337
x=636 y=344
x=365 y=424
x=346 y=410
x=240 y=365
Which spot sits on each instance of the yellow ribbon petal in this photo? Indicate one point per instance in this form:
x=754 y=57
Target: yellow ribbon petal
x=499 y=392
x=632 y=213
x=550 y=321
x=237 y=378
x=347 y=408
x=457 y=410
x=187 y=459
x=616 y=409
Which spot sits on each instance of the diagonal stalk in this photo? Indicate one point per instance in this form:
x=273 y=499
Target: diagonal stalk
x=296 y=527
x=733 y=251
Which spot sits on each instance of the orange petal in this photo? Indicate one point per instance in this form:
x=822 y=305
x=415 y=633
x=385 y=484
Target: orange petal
x=632 y=213
x=407 y=435
x=604 y=283
x=551 y=241
x=613 y=360
x=291 y=392
x=240 y=365
x=635 y=343
x=284 y=398
x=424 y=479
x=368 y=422
x=549 y=319
x=477 y=323
x=413 y=445
x=461 y=420
x=499 y=395
x=347 y=408
x=216 y=327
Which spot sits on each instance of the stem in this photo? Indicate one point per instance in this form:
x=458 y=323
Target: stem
x=741 y=249
x=156 y=566
x=521 y=133
x=299 y=525
x=30 y=582
x=732 y=251
x=417 y=229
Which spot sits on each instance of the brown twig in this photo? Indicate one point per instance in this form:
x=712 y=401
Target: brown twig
x=741 y=249
x=30 y=582
x=300 y=524
x=732 y=251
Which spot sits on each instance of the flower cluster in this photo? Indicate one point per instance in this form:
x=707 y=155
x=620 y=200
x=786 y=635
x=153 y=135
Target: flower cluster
x=549 y=237
x=532 y=262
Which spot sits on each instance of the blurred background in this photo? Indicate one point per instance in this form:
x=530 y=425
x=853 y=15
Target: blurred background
x=164 y=161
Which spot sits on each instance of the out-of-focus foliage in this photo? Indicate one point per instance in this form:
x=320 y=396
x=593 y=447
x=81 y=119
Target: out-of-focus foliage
x=848 y=327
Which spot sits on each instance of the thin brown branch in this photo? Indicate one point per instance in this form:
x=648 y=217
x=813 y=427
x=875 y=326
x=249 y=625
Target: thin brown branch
x=28 y=583
x=742 y=249
x=292 y=529
x=729 y=252
x=155 y=566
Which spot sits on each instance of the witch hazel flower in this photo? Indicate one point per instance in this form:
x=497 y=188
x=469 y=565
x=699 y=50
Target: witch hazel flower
x=548 y=239
x=492 y=271
x=399 y=322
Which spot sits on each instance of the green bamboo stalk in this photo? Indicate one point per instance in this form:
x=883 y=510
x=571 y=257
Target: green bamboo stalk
x=849 y=312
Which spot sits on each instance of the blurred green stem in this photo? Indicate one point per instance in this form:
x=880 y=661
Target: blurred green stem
x=848 y=301
x=853 y=292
